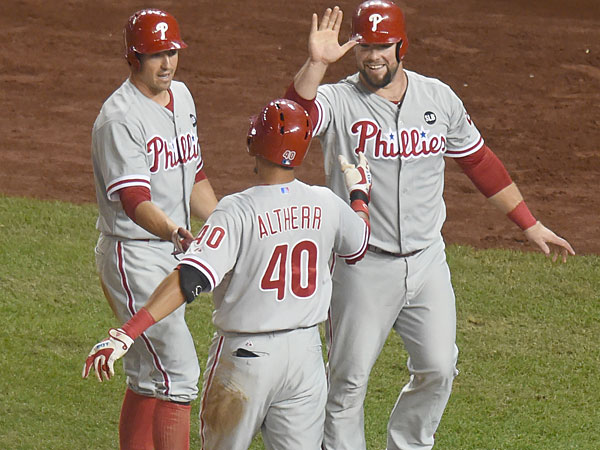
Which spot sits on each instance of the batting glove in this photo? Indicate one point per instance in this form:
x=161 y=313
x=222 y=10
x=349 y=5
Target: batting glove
x=357 y=178
x=104 y=354
x=181 y=239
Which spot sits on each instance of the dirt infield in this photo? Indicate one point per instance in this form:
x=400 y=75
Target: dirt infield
x=528 y=73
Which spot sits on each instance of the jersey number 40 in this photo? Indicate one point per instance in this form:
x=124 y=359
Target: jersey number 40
x=299 y=270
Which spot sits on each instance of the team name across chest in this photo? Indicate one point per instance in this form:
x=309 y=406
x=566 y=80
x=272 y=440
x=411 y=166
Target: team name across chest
x=169 y=155
x=405 y=143
x=290 y=218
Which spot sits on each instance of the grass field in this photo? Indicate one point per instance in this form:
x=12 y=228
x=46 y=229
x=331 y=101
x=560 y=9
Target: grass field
x=528 y=332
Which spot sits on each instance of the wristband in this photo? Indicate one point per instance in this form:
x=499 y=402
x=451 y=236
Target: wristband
x=357 y=194
x=360 y=205
x=138 y=323
x=522 y=216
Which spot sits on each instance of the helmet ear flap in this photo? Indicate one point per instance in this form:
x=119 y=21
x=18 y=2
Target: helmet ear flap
x=399 y=45
x=133 y=59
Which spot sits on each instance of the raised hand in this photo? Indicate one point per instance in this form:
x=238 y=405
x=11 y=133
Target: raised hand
x=323 y=40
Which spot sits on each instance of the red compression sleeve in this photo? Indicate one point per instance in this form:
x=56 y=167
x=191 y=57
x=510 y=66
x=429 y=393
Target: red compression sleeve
x=131 y=197
x=138 y=323
x=485 y=170
x=200 y=175
x=308 y=105
x=522 y=216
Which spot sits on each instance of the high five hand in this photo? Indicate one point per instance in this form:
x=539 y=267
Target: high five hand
x=323 y=44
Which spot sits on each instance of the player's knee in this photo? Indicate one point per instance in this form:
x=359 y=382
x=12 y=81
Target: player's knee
x=439 y=376
x=347 y=392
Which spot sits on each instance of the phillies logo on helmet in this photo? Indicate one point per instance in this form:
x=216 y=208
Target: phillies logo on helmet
x=376 y=19
x=162 y=28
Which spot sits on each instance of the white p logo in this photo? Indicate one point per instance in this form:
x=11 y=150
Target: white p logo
x=162 y=27
x=375 y=18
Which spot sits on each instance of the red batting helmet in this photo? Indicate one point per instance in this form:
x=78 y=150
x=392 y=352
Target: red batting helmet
x=380 y=22
x=281 y=133
x=151 y=31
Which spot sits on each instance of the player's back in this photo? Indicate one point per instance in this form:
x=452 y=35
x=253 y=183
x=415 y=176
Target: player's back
x=273 y=243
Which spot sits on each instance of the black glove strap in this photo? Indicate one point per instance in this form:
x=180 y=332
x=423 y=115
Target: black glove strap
x=359 y=195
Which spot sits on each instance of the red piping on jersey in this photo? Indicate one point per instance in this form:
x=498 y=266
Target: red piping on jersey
x=196 y=264
x=131 y=308
x=170 y=105
x=129 y=181
x=312 y=107
x=358 y=255
x=319 y=115
x=330 y=334
x=331 y=269
x=208 y=384
x=200 y=165
x=466 y=151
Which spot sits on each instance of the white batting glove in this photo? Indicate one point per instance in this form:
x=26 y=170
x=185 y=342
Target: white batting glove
x=357 y=178
x=104 y=354
x=181 y=239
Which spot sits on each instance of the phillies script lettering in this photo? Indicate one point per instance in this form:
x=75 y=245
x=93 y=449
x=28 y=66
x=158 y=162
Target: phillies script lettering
x=410 y=143
x=166 y=156
x=290 y=218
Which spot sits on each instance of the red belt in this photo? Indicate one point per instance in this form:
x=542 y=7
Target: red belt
x=374 y=249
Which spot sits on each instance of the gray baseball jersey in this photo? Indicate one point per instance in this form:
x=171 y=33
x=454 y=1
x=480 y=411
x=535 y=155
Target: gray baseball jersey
x=137 y=142
x=404 y=145
x=275 y=243
x=267 y=249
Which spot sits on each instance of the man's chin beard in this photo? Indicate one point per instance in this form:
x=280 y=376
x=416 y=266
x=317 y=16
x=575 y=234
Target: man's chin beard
x=387 y=79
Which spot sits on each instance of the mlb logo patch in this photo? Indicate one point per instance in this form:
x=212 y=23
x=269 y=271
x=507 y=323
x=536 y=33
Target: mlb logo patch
x=285 y=190
x=287 y=157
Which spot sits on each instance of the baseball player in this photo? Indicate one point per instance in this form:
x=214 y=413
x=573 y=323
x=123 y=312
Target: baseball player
x=267 y=252
x=404 y=124
x=149 y=177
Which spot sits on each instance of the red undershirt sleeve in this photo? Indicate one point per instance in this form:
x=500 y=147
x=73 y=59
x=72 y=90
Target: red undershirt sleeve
x=131 y=197
x=485 y=170
x=200 y=175
x=308 y=105
x=489 y=175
